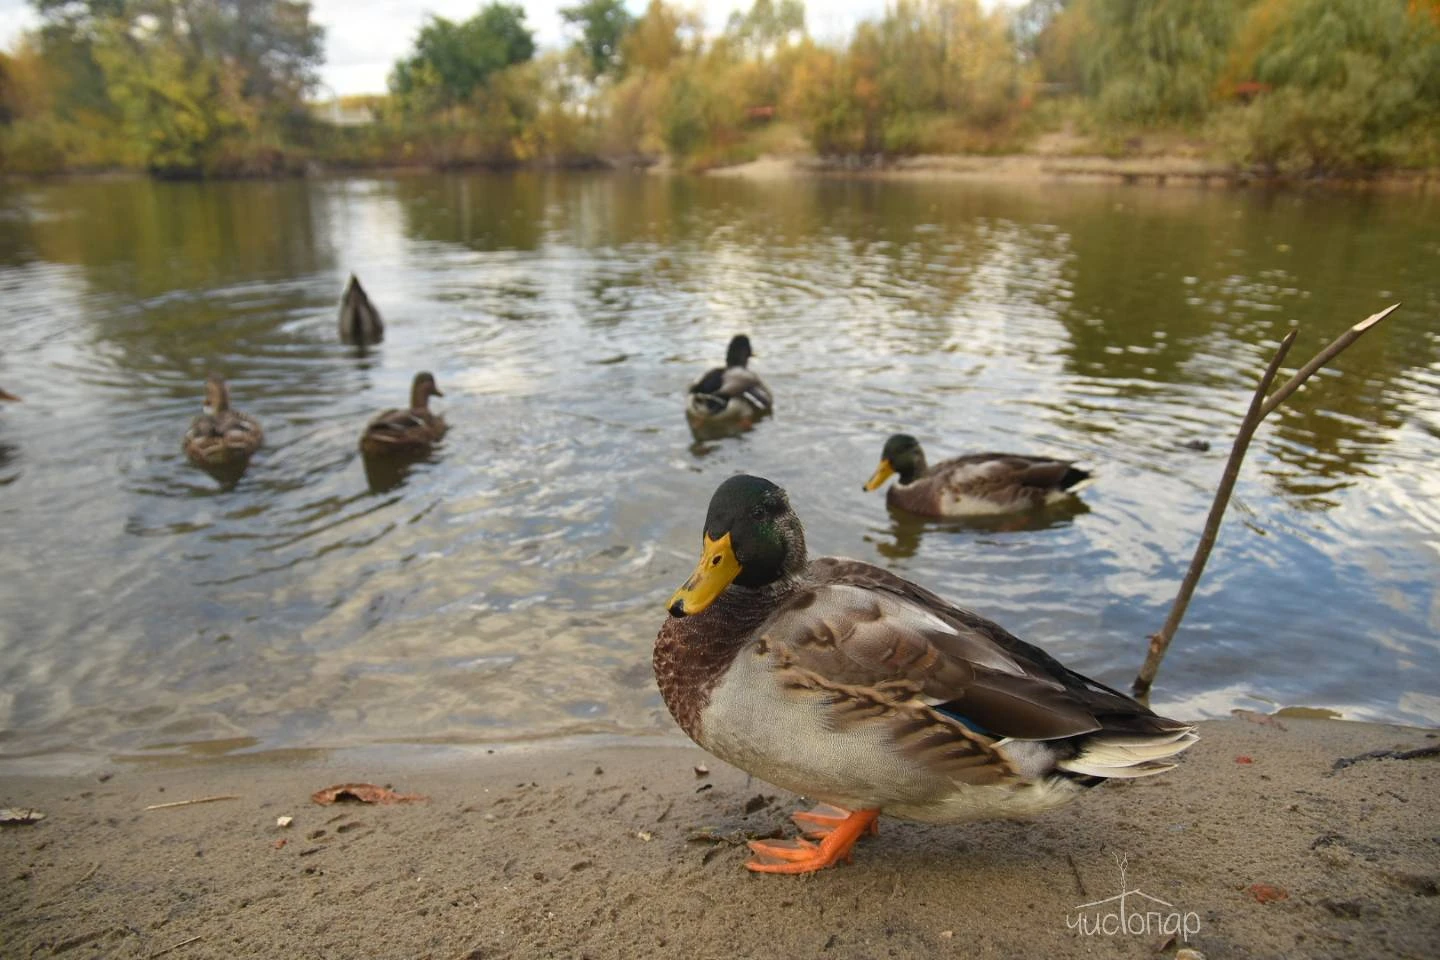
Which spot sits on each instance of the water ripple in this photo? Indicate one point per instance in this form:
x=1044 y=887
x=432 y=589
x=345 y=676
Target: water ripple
x=511 y=585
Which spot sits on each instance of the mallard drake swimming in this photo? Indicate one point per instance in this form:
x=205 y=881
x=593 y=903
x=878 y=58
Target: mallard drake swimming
x=731 y=395
x=7 y=395
x=359 y=320
x=220 y=436
x=978 y=484
x=406 y=432
x=843 y=682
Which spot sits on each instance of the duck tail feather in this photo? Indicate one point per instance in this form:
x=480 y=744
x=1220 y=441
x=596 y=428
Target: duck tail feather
x=1126 y=756
x=1073 y=476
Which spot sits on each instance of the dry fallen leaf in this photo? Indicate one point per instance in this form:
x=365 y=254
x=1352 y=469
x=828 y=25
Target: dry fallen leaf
x=1266 y=892
x=280 y=843
x=1244 y=759
x=362 y=793
x=19 y=816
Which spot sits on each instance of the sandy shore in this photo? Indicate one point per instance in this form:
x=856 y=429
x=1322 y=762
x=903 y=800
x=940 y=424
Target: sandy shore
x=603 y=850
x=1045 y=167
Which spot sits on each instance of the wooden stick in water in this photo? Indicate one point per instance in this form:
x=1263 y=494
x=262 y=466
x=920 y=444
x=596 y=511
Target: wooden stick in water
x=1160 y=642
x=1322 y=358
x=1260 y=408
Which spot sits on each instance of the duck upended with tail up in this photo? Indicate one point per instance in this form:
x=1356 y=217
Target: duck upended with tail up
x=978 y=484
x=840 y=681
x=360 y=322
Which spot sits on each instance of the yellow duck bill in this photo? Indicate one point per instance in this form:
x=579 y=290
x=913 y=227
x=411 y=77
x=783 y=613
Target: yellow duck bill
x=718 y=568
x=882 y=473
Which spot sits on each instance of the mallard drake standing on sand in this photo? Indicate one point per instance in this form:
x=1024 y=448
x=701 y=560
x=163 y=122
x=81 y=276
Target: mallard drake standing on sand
x=359 y=320
x=409 y=432
x=980 y=484
x=221 y=437
x=840 y=681
x=729 y=396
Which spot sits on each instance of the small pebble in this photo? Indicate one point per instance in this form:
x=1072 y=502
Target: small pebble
x=701 y=770
x=284 y=821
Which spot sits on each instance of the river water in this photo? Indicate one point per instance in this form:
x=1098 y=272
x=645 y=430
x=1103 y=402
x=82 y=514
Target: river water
x=511 y=587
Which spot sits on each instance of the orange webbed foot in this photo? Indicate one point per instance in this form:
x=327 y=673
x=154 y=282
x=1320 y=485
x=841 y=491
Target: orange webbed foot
x=839 y=830
x=822 y=819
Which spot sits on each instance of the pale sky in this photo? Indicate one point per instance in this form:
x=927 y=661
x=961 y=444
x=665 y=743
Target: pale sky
x=364 y=38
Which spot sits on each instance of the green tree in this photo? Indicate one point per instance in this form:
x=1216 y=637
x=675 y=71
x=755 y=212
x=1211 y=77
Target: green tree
x=658 y=39
x=1355 y=82
x=271 y=45
x=603 y=25
x=766 y=25
x=67 y=43
x=170 y=98
x=163 y=82
x=1158 y=60
x=453 y=60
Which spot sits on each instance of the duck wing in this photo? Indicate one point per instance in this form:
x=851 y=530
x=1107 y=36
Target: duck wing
x=240 y=431
x=710 y=383
x=404 y=426
x=740 y=382
x=1000 y=470
x=855 y=624
x=727 y=383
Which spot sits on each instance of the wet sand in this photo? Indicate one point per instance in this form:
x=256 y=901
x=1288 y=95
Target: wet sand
x=1045 y=166
x=589 y=849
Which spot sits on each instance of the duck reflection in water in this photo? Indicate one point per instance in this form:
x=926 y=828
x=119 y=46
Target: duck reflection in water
x=384 y=474
x=906 y=529
x=8 y=455
x=7 y=452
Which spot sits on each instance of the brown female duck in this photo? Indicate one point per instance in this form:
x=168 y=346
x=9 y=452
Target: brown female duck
x=221 y=437
x=409 y=432
x=979 y=484
x=8 y=396
x=840 y=681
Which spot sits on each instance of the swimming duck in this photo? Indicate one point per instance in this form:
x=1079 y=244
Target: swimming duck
x=220 y=436
x=359 y=320
x=7 y=395
x=978 y=484
x=406 y=432
x=843 y=682
x=731 y=395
